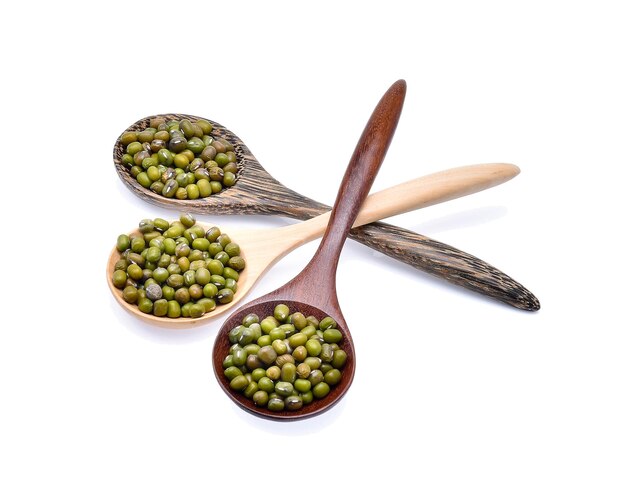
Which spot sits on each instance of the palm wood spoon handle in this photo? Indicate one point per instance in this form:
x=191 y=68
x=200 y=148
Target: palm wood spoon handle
x=257 y=192
x=313 y=291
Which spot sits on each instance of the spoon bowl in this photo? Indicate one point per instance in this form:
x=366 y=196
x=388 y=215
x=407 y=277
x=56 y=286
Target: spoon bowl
x=258 y=192
x=266 y=308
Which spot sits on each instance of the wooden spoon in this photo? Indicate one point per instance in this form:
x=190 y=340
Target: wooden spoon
x=262 y=248
x=257 y=192
x=313 y=291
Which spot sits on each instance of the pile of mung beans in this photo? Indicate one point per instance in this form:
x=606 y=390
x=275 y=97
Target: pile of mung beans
x=179 y=159
x=177 y=269
x=284 y=361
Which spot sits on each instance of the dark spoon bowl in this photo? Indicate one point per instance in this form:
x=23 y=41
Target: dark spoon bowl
x=222 y=345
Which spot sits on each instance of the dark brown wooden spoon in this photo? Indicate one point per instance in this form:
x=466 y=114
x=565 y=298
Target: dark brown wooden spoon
x=313 y=291
x=257 y=192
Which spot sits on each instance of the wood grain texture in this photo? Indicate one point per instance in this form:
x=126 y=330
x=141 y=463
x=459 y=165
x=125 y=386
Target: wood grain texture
x=313 y=291
x=257 y=192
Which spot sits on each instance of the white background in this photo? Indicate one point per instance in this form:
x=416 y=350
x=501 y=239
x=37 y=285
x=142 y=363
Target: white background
x=452 y=389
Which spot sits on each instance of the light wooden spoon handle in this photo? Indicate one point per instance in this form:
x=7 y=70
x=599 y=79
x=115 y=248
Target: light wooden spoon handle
x=434 y=189
x=420 y=192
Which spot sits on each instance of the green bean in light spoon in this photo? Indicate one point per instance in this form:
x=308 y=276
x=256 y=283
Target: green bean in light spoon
x=261 y=248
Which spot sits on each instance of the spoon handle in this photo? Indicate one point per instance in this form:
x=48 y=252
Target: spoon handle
x=408 y=196
x=366 y=160
x=434 y=189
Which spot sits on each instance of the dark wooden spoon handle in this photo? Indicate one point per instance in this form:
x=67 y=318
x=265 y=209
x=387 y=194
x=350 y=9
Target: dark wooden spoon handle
x=446 y=262
x=317 y=281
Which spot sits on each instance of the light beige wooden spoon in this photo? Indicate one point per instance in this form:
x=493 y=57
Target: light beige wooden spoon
x=261 y=248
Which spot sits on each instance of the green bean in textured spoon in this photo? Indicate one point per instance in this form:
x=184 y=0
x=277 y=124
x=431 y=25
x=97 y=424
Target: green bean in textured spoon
x=175 y=155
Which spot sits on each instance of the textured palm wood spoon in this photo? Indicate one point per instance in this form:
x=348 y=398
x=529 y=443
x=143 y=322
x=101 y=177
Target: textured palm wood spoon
x=262 y=248
x=257 y=192
x=313 y=291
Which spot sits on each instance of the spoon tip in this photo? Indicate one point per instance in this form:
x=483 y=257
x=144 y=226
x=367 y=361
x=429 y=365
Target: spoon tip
x=532 y=303
x=401 y=83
